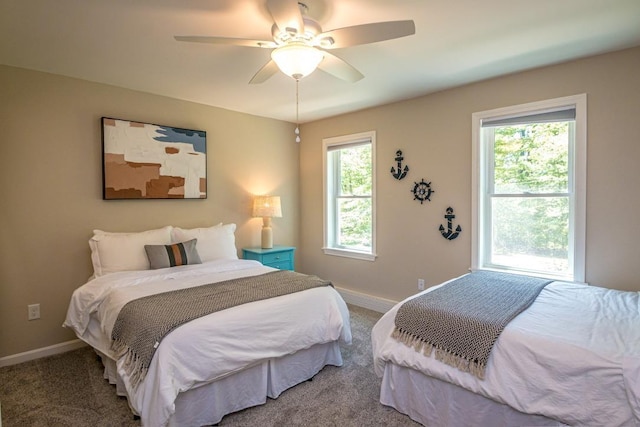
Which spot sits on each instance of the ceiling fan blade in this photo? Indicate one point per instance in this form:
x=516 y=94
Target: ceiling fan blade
x=366 y=33
x=339 y=68
x=227 y=40
x=286 y=14
x=264 y=73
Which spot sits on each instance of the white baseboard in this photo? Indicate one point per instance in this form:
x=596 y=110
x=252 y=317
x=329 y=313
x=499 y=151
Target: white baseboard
x=14 y=359
x=381 y=305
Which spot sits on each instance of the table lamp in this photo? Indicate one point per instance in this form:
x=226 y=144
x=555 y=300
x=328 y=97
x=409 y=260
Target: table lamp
x=267 y=207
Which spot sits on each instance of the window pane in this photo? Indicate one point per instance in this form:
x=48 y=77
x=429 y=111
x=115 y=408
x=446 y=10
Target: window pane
x=354 y=228
x=349 y=188
x=355 y=171
x=532 y=158
x=531 y=233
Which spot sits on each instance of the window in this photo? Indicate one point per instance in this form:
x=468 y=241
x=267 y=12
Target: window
x=349 y=196
x=529 y=188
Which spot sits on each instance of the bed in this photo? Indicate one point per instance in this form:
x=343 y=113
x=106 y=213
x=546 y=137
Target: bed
x=217 y=363
x=571 y=358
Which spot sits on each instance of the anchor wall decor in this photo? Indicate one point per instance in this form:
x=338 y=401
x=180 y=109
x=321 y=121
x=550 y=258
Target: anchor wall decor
x=400 y=173
x=422 y=191
x=449 y=234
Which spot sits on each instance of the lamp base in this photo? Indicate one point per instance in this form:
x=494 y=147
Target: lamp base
x=267 y=233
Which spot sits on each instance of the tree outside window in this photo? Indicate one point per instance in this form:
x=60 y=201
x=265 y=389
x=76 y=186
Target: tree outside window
x=530 y=203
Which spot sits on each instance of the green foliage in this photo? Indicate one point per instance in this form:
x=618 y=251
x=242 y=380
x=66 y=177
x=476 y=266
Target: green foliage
x=355 y=170
x=354 y=206
x=531 y=160
x=355 y=223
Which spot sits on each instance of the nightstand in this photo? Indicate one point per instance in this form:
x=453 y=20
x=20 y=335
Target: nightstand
x=280 y=257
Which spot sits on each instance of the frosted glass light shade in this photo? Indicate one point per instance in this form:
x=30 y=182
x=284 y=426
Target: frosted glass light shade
x=297 y=60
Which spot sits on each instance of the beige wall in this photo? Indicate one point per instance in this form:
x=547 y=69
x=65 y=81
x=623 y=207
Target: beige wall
x=50 y=182
x=51 y=188
x=434 y=133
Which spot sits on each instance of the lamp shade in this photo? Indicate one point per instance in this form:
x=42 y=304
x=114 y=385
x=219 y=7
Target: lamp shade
x=297 y=60
x=267 y=206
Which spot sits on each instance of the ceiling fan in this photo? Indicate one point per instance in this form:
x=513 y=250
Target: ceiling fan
x=300 y=46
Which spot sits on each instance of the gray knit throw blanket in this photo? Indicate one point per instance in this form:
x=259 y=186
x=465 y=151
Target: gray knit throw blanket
x=463 y=319
x=144 y=322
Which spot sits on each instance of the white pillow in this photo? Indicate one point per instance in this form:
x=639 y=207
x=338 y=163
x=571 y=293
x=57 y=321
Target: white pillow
x=112 y=252
x=214 y=242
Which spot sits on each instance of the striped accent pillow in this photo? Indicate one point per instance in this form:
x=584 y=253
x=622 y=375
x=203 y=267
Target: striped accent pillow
x=164 y=256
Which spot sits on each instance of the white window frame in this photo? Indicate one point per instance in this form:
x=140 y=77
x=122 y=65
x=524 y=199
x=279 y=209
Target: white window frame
x=577 y=182
x=329 y=213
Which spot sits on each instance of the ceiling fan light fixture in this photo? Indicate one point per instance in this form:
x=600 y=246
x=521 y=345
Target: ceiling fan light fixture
x=297 y=60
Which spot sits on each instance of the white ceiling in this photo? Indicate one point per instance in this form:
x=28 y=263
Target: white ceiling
x=129 y=43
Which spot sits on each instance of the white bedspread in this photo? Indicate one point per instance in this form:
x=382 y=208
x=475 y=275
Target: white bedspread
x=211 y=347
x=573 y=356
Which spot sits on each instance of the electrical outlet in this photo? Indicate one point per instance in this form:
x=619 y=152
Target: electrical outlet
x=421 y=284
x=34 y=311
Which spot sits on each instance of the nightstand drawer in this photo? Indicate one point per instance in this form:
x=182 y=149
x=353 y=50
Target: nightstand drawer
x=280 y=257
x=281 y=265
x=277 y=257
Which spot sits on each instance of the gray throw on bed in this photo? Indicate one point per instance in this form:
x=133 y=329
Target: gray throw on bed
x=463 y=319
x=142 y=323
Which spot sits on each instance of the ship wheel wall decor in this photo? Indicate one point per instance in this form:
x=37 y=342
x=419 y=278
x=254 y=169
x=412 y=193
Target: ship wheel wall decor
x=422 y=191
x=400 y=172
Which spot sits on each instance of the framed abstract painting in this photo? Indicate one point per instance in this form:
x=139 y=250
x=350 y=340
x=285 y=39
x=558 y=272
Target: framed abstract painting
x=147 y=161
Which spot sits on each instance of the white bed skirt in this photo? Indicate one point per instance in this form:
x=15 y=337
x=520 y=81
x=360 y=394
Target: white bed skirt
x=207 y=404
x=436 y=403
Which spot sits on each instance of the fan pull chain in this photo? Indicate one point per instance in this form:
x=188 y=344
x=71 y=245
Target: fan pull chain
x=297 y=131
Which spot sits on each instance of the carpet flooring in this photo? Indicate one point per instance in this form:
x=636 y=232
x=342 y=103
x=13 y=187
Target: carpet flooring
x=68 y=390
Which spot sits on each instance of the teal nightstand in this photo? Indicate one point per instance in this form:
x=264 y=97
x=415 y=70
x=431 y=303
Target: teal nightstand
x=280 y=257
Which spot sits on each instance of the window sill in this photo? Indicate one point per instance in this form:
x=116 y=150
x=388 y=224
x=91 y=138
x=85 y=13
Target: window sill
x=349 y=254
x=542 y=275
